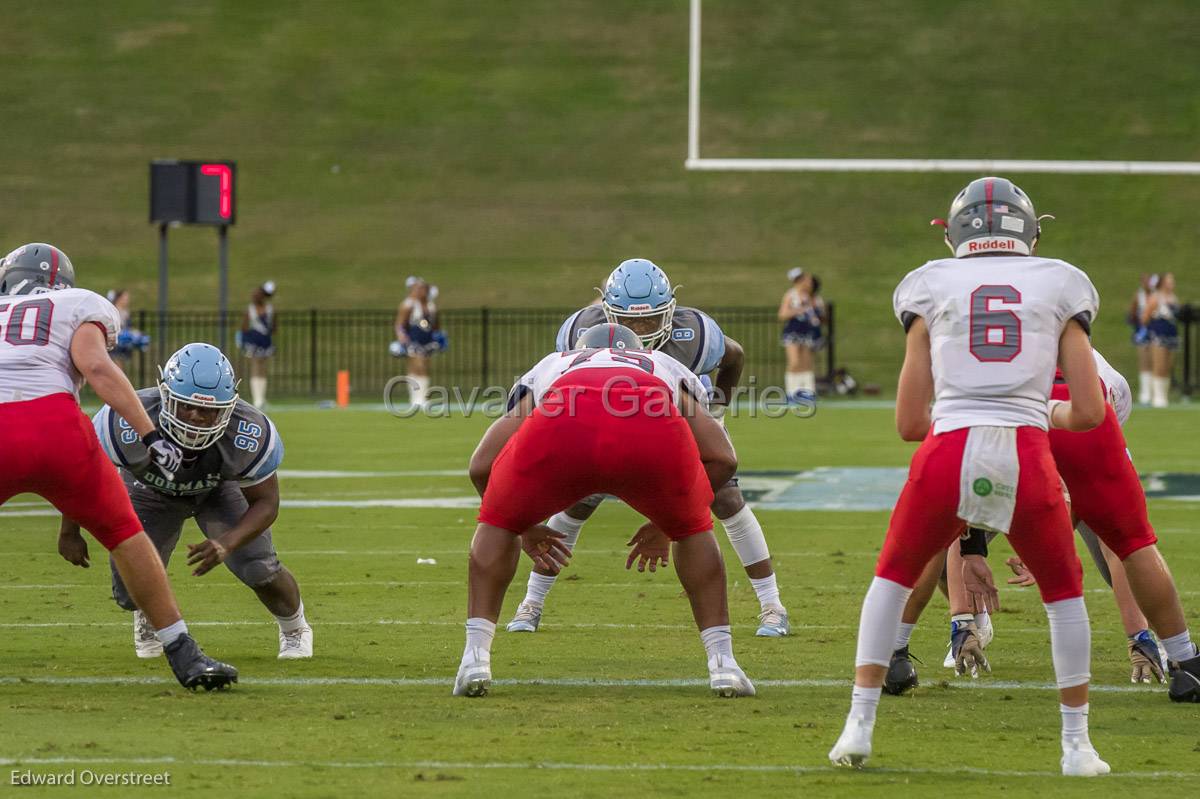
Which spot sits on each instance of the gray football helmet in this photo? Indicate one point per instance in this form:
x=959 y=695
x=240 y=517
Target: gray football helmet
x=991 y=215
x=35 y=269
x=609 y=336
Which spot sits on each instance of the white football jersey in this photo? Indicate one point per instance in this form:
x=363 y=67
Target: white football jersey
x=994 y=325
x=1116 y=386
x=35 y=340
x=673 y=374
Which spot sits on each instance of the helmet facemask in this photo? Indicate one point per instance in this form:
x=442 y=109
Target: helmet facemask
x=652 y=325
x=196 y=422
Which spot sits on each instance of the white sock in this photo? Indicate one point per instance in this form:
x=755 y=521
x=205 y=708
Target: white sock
x=167 y=635
x=418 y=387
x=864 y=702
x=879 y=621
x=746 y=536
x=767 y=590
x=538 y=586
x=717 y=641
x=258 y=391
x=1180 y=647
x=1070 y=641
x=904 y=634
x=791 y=382
x=808 y=381
x=569 y=526
x=1074 y=726
x=480 y=633
x=1160 y=392
x=1144 y=379
x=294 y=622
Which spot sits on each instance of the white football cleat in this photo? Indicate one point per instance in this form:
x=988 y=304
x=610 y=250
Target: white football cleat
x=1080 y=759
x=296 y=645
x=773 y=622
x=526 y=620
x=726 y=678
x=474 y=674
x=853 y=747
x=145 y=640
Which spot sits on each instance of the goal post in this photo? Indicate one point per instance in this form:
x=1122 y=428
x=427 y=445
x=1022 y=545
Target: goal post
x=697 y=162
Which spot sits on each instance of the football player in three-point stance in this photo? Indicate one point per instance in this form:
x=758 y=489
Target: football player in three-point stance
x=55 y=337
x=226 y=482
x=984 y=330
x=639 y=296
x=606 y=416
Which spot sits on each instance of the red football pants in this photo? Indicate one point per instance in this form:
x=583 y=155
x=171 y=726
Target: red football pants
x=925 y=519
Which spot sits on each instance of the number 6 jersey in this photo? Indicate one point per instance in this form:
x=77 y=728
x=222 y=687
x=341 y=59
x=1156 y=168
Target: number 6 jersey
x=994 y=325
x=249 y=451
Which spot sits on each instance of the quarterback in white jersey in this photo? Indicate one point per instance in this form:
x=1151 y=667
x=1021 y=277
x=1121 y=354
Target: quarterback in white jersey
x=984 y=331
x=52 y=337
x=606 y=417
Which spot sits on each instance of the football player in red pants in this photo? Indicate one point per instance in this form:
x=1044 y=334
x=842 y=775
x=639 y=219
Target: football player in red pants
x=984 y=330
x=55 y=337
x=607 y=417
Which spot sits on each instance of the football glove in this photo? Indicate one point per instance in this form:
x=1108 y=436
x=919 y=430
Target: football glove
x=1145 y=658
x=967 y=648
x=165 y=456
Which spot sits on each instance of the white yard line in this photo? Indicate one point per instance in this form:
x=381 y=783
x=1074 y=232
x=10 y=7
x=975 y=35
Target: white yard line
x=553 y=766
x=559 y=682
x=964 y=771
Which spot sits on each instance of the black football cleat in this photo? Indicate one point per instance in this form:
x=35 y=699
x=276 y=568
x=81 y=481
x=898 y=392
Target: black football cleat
x=901 y=673
x=194 y=669
x=1185 y=680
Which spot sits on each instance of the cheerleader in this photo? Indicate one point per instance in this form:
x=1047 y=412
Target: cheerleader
x=258 y=326
x=803 y=312
x=1141 y=336
x=418 y=335
x=1159 y=317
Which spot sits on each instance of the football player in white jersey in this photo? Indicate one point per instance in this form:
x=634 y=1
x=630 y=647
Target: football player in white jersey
x=984 y=331
x=607 y=416
x=53 y=337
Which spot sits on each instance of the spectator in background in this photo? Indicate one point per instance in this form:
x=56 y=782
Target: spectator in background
x=418 y=335
x=129 y=338
x=1141 y=336
x=803 y=313
x=1159 y=317
x=258 y=327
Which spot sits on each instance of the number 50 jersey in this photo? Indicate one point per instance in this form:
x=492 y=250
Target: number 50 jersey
x=994 y=324
x=249 y=452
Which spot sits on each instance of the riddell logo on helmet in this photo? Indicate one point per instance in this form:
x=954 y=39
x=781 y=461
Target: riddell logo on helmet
x=205 y=397
x=641 y=306
x=988 y=245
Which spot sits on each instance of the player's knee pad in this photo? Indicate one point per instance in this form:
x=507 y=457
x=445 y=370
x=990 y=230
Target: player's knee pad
x=1070 y=641
x=746 y=536
x=258 y=572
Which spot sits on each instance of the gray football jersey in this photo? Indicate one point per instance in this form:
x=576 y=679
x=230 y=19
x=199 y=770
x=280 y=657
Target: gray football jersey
x=249 y=452
x=696 y=340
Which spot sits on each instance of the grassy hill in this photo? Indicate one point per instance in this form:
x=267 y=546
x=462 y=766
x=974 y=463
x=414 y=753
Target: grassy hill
x=514 y=152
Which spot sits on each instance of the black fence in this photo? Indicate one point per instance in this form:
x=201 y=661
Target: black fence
x=488 y=346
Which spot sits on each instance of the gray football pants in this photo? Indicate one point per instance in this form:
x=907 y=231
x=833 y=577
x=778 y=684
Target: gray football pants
x=162 y=517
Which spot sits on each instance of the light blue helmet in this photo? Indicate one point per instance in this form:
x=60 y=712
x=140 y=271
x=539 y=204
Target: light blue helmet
x=196 y=382
x=639 y=296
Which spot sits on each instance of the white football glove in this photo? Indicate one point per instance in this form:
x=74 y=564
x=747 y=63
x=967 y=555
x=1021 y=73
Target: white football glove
x=165 y=456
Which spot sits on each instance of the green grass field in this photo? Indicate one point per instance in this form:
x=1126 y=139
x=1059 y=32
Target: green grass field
x=608 y=697
x=515 y=152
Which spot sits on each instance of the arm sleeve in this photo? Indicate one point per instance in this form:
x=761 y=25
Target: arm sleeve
x=911 y=299
x=566 y=335
x=94 y=308
x=714 y=345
